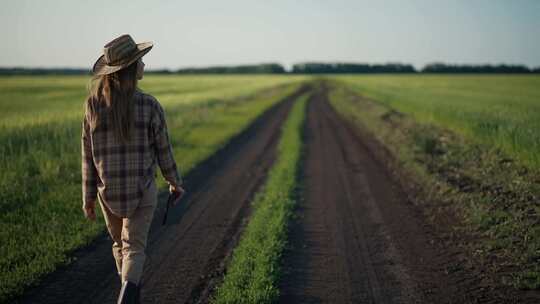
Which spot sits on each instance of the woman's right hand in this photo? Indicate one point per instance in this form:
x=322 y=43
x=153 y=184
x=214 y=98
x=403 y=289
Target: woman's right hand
x=178 y=192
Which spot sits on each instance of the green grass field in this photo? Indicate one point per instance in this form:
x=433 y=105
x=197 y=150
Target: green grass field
x=254 y=270
x=500 y=110
x=34 y=100
x=41 y=220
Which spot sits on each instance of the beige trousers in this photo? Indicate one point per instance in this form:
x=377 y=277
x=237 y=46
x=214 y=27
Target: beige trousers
x=129 y=235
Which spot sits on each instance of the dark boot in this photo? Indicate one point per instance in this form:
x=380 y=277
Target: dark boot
x=129 y=293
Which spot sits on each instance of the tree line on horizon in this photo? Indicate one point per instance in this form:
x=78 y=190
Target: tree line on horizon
x=306 y=68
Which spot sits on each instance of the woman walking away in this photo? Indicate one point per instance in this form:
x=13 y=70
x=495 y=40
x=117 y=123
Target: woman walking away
x=124 y=137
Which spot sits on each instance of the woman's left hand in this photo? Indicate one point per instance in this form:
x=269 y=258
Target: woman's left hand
x=90 y=211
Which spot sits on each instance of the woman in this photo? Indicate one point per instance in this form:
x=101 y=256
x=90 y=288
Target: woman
x=124 y=137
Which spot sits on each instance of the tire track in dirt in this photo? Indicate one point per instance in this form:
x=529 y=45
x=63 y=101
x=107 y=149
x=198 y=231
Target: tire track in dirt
x=356 y=238
x=185 y=258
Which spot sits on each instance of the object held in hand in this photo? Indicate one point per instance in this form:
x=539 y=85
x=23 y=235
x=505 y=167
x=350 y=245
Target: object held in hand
x=173 y=196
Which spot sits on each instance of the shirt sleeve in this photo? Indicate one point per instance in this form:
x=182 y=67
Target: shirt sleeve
x=163 y=147
x=89 y=172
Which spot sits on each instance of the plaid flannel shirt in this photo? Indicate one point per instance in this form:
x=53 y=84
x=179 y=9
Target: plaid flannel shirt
x=119 y=173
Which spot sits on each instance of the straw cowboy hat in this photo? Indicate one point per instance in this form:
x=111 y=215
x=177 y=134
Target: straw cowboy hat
x=120 y=53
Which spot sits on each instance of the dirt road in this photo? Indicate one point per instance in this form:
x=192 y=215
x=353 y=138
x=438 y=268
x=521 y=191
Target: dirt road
x=187 y=254
x=356 y=239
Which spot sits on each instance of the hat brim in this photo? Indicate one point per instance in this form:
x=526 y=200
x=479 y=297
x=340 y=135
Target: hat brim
x=102 y=68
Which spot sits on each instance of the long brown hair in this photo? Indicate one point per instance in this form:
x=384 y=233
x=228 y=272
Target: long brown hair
x=110 y=101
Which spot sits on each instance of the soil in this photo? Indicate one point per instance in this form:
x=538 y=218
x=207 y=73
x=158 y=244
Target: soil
x=186 y=257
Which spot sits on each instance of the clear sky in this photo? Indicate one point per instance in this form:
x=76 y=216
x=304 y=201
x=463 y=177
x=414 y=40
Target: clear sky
x=71 y=33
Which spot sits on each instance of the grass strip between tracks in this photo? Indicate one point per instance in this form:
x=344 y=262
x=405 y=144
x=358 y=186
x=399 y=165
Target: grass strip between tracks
x=41 y=220
x=252 y=274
